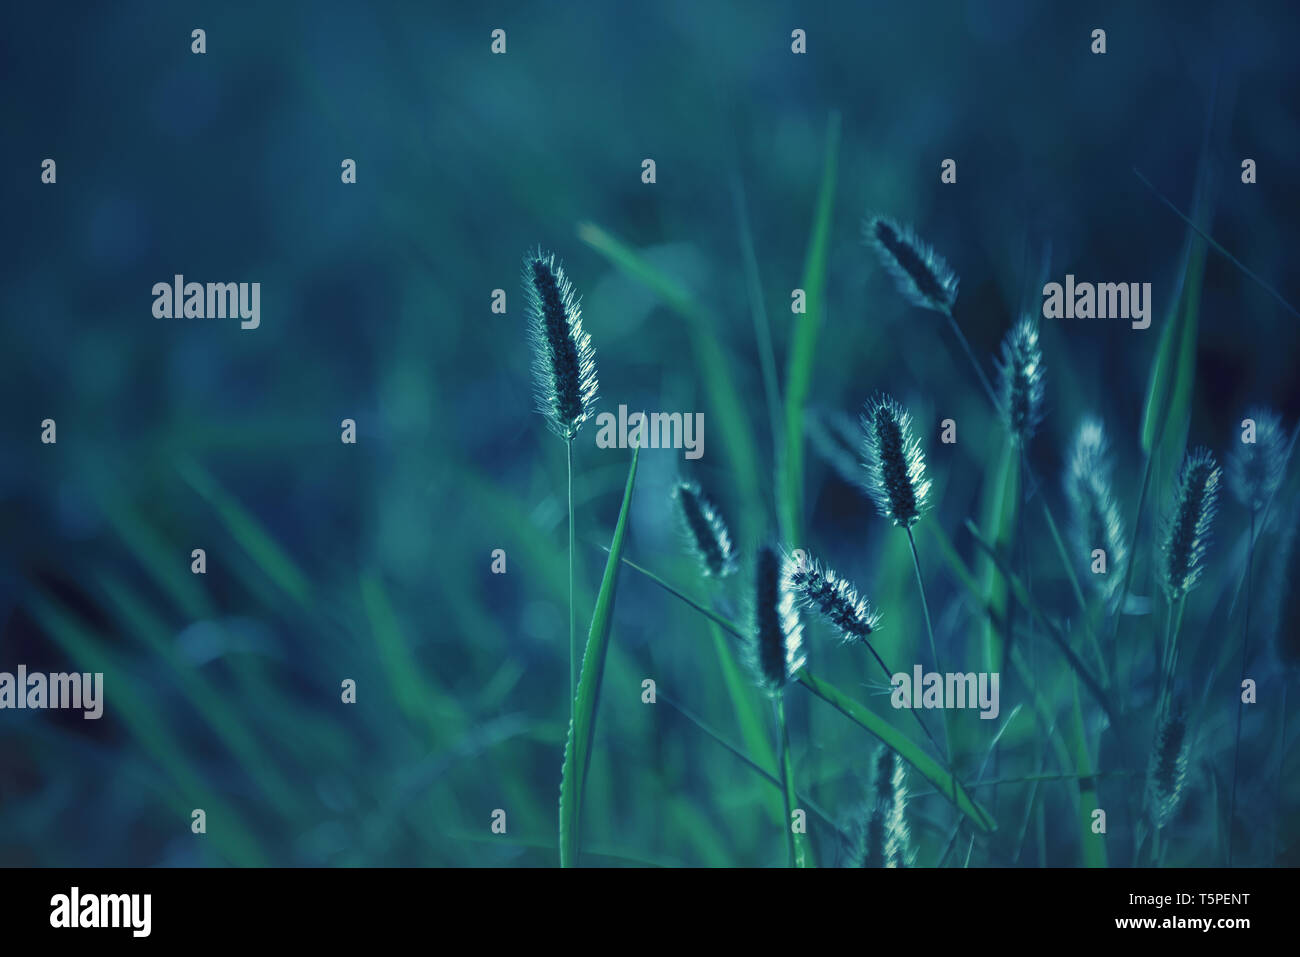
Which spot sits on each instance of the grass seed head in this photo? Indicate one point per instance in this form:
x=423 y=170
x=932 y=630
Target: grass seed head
x=922 y=276
x=894 y=462
x=832 y=598
x=776 y=651
x=706 y=532
x=1167 y=770
x=1096 y=521
x=1255 y=469
x=1021 y=380
x=564 y=363
x=883 y=836
x=1187 y=528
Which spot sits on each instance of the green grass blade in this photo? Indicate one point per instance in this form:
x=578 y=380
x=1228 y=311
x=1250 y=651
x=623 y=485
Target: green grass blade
x=577 y=745
x=249 y=533
x=1094 y=845
x=913 y=754
x=799 y=371
x=749 y=716
x=1001 y=501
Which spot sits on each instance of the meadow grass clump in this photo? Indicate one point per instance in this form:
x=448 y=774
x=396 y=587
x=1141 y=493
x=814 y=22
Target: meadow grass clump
x=564 y=383
x=1167 y=768
x=883 y=837
x=706 y=531
x=1021 y=380
x=1255 y=469
x=1187 y=527
x=1096 y=521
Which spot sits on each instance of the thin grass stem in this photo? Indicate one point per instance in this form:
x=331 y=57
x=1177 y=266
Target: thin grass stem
x=1245 y=646
x=573 y=620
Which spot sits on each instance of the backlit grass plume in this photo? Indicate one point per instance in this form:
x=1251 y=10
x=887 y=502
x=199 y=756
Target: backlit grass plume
x=922 y=276
x=564 y=383
x=1020 y=380
x=894 y=462
x=1255 y=469
x=834 y=599
x=1096 y=521
x=706 y=532
x=837 y=439
x=564 y=363
x=883 y=839
x=1167 y=769
x=776 y=650
x=1187 y=527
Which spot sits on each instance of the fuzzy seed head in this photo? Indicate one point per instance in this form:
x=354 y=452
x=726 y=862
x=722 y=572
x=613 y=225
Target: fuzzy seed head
x=832 y=598
x=1255 y=469
x=564 y=363
x=1096 y=520
x=1020 y=380
x=706 y=532
x=1187 y=529
x=883 y=836
x=922 y=276
x=1167 y=770
x=894 y=462
x=776 y=650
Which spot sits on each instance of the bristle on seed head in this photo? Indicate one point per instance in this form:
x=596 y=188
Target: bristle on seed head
x=564 y=363
x=1167 y=769
x=832 y=598
x=776 y=650
x=706 y=532
x=1256 y=469
x=922 y=276
x=1020 y=380
x=1187 y=528
x=895 y=465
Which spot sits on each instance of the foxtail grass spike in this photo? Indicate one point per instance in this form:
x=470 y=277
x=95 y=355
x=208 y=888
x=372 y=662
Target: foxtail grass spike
x=1020 y=380
x=922 y=276
x=1167 y=770
x=1255 y=469
x=894 y=462
x=883 y=836
x=1187 y=530
x=706 y=532
x=1095 y=516
x=831 y=597
x=564 y=363
x=776 y=650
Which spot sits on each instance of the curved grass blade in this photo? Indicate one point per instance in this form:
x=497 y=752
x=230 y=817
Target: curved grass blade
x=577 y=745
x=910 y=752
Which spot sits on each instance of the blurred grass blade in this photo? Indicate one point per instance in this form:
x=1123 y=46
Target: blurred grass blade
x=913 y=754
x=248 y=532
x=1001 y=500
x=799 y=371
x=1094 y=845
x=577 y=745
x=728 y=407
